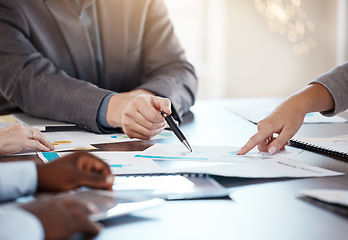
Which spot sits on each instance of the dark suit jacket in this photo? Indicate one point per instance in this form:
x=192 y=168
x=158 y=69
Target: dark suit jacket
x=47 y=66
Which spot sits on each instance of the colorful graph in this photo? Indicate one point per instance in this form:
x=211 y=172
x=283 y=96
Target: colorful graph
x=166 y=134
x=121 y=165
x=120 y=137
x=50 y=156
x=56 y=143
x=172 y=158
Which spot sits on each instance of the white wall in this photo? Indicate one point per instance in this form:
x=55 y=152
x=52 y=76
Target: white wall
x=236 y=55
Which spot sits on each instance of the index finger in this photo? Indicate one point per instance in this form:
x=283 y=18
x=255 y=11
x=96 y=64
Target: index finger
x=81 y=212
x=36 y=134
x=149 y=108
x=255 y=140
x=43 y=140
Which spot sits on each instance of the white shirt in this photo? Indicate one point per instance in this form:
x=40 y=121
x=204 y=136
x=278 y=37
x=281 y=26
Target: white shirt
x=18 y=179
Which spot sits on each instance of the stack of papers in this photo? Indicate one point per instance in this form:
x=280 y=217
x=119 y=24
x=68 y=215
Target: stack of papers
x=170 y=159
x=175 y=159
x=214 y=160
x=333 y=196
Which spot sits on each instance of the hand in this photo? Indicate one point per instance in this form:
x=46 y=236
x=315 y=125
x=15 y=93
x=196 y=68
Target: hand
x=73 y=171
x=138 y=113
x=64 y=217
x=287 y=119
x=284 y=121
x=16 y=137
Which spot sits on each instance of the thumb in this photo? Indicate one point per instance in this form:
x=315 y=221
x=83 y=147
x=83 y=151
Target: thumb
x=279 y=142
x=162 y=103
x=85 y=225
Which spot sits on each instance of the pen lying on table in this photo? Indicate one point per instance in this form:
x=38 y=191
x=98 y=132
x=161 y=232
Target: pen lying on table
x=174 y=127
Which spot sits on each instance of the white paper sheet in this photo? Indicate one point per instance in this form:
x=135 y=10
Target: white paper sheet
x=327 y=195
x=255 y=113
x=161 y=151
x=63 y=141
x=7 y=119
x=39 y=123
x=96 y=138
x=127 y=163
x=121 y=163
x=271 y=168
x=82 y=140
x=223 y=161
x=124 y=163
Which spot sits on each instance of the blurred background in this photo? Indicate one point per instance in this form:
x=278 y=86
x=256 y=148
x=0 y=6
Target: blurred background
x=259 y=48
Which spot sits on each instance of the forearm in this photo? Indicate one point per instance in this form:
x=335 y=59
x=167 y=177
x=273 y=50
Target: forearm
x=336 y=82
x=313 y=98
x=53 y=95
x=288 y=117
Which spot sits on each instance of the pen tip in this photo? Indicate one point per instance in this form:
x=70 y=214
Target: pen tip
x=187 y=145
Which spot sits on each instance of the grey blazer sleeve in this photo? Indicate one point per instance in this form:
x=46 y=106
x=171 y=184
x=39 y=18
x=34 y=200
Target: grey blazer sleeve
x=33 y=83
x=336 y=81
x=167 y=72
x=46 y=68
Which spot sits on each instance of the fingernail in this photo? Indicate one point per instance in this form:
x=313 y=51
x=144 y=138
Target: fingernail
x=272 y=150
x=238 y=152
x=109 y=179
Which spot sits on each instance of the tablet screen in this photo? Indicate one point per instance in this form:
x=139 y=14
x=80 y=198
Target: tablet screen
x=111 y=204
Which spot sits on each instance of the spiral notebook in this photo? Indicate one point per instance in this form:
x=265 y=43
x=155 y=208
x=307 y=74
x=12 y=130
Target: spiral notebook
x=333 y=146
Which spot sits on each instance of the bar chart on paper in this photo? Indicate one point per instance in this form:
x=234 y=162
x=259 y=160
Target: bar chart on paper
x=208 y=153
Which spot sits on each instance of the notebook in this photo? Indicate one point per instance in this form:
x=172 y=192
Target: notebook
x=333 y=146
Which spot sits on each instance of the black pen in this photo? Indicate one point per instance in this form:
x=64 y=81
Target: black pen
x=174 y=127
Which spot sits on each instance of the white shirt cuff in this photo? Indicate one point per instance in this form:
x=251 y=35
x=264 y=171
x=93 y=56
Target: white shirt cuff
x=17 y=223
x=17 y=179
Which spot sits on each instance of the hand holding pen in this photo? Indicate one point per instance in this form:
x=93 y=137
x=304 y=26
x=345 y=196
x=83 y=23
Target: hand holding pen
x=175 y=128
